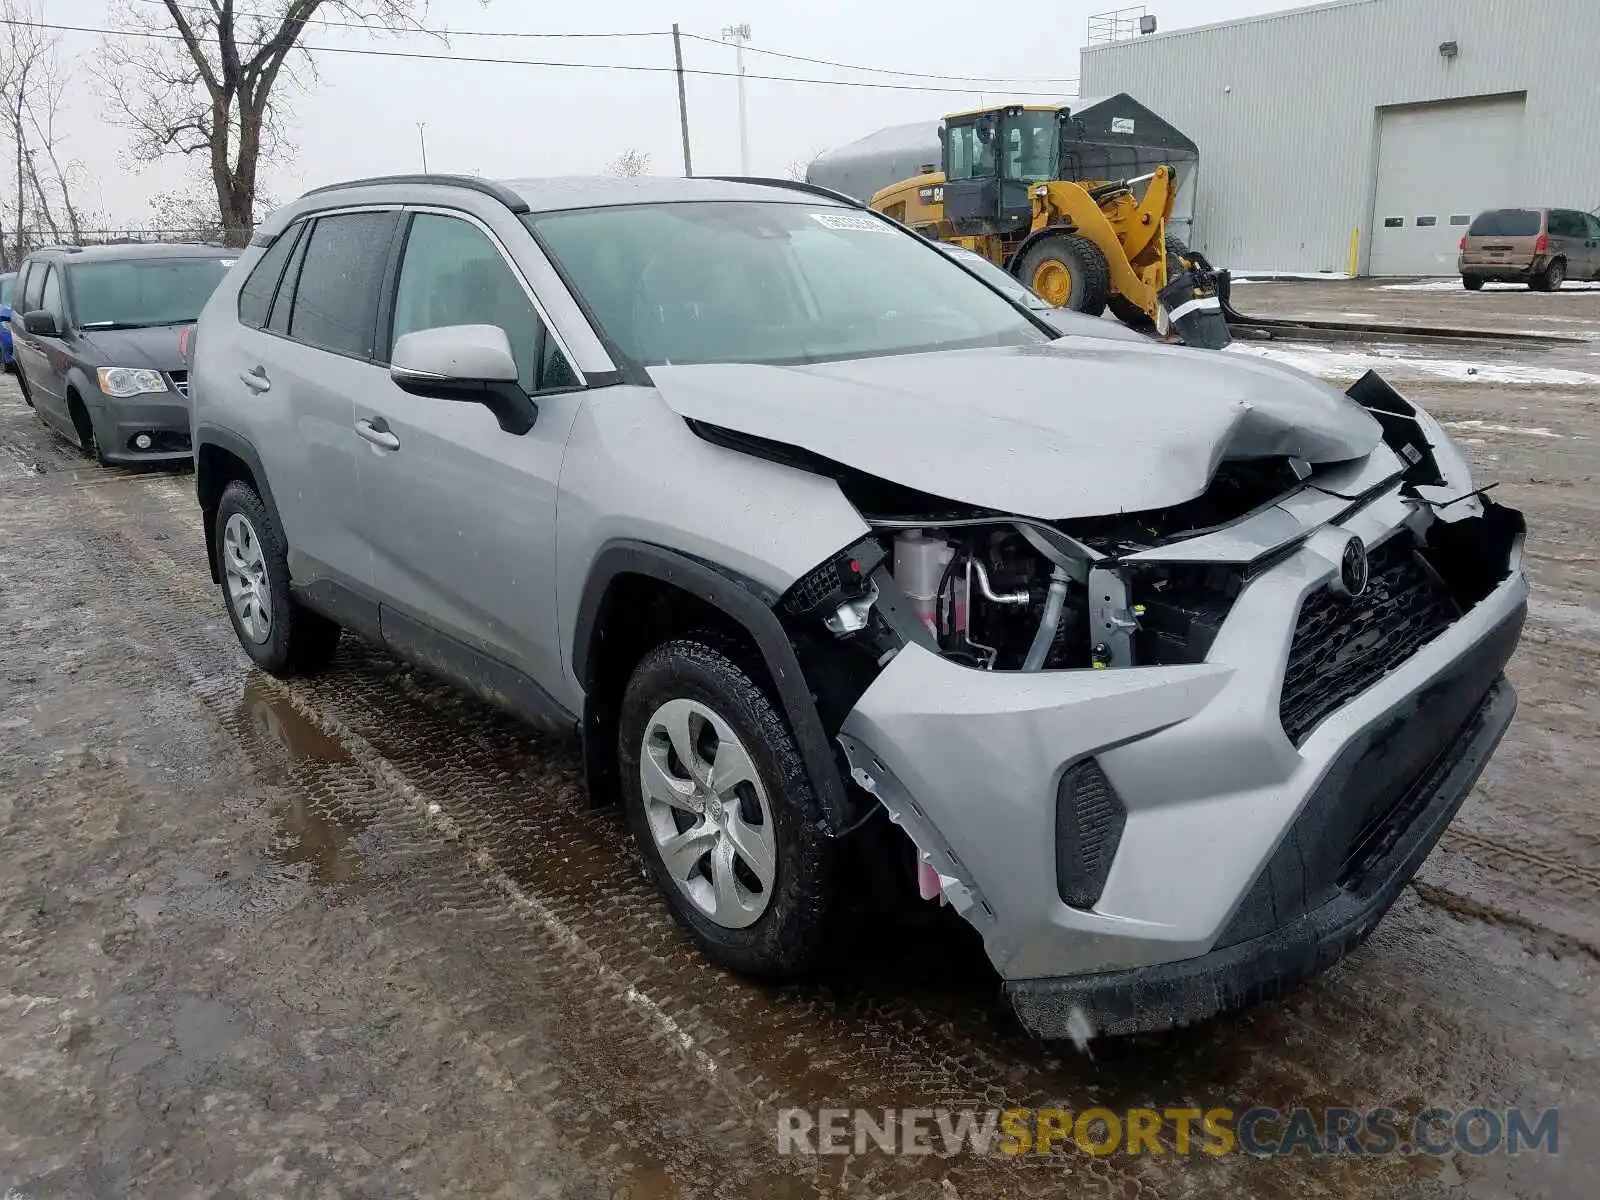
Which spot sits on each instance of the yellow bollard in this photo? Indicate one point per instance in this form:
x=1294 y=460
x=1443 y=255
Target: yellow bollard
x=1355 y=249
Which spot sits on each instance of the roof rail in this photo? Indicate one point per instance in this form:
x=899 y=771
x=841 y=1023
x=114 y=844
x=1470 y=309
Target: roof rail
x=794 y=185
x=471 y=182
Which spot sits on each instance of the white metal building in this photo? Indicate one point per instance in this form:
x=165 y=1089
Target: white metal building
x=1379 y=124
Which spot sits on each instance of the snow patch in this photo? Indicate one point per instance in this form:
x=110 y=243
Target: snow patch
x=1401 y=362
x=1453 y=284
x=1489 y=427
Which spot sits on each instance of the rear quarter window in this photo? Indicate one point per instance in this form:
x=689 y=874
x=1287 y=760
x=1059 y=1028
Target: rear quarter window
x=1506 y=222
x=255 y=297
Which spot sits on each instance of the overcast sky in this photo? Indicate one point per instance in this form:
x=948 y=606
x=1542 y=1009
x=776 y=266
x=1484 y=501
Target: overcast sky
x=360 y=117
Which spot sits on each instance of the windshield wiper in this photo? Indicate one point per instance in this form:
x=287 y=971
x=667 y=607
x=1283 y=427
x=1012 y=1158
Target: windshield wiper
x=121 y=324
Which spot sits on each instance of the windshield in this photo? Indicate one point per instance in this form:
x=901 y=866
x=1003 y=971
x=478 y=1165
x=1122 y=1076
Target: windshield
x=142 y=292
x=1030 y=149
x=997 y=277
x=769 y=282
x=1505 y=222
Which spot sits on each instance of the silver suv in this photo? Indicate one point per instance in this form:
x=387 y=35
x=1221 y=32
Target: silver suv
x=1164 y=668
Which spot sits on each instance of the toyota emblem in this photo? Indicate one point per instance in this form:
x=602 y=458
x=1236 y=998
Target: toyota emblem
x=1353 y=569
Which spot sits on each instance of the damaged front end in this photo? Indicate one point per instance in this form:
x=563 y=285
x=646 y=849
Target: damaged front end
x=1195 y=749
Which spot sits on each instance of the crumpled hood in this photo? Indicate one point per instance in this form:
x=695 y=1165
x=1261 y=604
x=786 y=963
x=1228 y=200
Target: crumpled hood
x=156 y=349
x=1078 y=427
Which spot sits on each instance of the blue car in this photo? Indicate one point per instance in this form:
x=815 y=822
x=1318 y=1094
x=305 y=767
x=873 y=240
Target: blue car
x=6 y=280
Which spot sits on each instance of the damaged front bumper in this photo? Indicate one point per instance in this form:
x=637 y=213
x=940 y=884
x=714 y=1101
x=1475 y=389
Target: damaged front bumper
x=1147 y=846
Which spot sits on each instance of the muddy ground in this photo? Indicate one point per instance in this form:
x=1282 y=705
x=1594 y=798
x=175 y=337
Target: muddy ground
x=362 y=937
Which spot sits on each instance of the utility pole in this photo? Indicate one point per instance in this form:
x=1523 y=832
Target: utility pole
x=422 y=140
x=683 y=103
x=739 y=35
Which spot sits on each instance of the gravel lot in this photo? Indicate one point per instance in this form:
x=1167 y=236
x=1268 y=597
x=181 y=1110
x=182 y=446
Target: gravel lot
x=362 y=937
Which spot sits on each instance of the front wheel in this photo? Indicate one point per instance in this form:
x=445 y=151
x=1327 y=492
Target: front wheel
x=1067 y=270
x=723 y=812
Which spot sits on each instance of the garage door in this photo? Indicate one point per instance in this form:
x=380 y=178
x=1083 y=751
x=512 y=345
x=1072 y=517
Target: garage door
x=1438 y=165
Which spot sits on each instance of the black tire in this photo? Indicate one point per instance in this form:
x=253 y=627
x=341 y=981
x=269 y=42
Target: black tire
x=1551 y=278
x=22 y=382
x=786 y=940
x=1473 y=283
x=1087 y=267
x=88 y=441
x=298 y=641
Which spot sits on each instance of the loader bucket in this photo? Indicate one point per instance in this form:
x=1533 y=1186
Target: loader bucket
x=1194 y=310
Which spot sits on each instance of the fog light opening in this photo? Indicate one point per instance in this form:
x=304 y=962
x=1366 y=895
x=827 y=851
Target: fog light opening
x=142 y=441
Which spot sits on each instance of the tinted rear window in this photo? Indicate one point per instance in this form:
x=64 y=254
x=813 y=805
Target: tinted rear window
x=336 y=300
x=1505 y=222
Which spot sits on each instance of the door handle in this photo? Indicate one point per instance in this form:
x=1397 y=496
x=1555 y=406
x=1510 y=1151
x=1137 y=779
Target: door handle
x=256 y=379
x=377 y=432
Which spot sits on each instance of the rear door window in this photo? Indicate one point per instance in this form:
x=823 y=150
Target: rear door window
x=1506 y=222
x=1565 y=224
x=336 y=299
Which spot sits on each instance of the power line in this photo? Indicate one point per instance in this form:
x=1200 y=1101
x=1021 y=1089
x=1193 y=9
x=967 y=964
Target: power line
x=828 y=62
x=646 y=33
x=373 y=26
x=373 y=52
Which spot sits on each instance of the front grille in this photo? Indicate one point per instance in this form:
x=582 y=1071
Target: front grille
x=1342 y=646
x=180 y=380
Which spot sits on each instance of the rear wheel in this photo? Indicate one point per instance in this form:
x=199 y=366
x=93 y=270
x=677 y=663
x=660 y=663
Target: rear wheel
x=282 y=636
x=1068 y=271
x=1473 y=283
x=723 y=812
x=1553 y=277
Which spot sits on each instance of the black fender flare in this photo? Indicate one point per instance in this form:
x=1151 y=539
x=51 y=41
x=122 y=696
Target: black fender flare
x=745 y=602
x=234 y=444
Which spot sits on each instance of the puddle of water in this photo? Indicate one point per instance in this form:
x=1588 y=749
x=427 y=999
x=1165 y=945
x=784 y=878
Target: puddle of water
x=276 y=720
x=311 y=833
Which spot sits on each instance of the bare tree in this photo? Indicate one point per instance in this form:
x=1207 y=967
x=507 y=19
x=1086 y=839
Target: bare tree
x=796 y=167
x=630 y=164
x=217 y=89
x=33 y=85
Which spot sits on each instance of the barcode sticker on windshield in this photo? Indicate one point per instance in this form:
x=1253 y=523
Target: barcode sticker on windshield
x=851 y=221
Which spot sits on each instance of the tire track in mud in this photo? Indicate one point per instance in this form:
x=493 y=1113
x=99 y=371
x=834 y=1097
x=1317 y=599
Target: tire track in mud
x=406 y=856
x=465 y=772
x=517 y=808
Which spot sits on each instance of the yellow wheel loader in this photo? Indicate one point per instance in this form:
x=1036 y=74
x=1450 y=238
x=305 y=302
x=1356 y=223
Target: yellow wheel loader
x=1012 y=186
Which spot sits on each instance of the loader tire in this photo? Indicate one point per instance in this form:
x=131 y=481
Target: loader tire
x=1068 y=271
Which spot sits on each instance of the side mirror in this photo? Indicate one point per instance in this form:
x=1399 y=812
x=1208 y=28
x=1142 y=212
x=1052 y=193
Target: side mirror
x=41 y=323
x=471 y=363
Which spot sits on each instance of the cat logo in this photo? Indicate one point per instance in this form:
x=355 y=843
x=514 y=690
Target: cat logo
x=931 y=195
